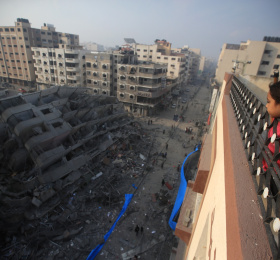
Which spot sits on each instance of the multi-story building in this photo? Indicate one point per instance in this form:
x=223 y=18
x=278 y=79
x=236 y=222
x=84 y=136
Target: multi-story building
x=99 y=73
x=60 y=66
x=16 y=62
x=194 y=63
x=161 y=52
x=254 y=58
x=142 y=86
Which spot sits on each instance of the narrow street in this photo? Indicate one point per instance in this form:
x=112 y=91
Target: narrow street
x=152 y=203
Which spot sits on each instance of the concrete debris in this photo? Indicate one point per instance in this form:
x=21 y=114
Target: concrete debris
x=67 y=159
x=63 y=149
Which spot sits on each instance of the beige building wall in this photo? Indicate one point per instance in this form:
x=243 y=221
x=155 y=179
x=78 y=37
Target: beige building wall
x=99 y=73
x=210 y=228
x=161 y=52
x=264 y=58
x=16 y=61
x=60 y=66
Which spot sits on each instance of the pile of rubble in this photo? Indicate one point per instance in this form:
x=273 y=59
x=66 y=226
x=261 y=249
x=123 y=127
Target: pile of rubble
x=65 y=158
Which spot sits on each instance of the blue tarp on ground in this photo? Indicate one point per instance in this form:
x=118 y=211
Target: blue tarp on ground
x=181 y=192
x=95 y=251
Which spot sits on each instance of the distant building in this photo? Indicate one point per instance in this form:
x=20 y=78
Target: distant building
x=16 y=62
x=92 y=46
x=254 y=58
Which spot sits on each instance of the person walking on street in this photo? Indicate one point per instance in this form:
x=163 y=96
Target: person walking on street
x=166 y=146
x=137 y=230
x=162 y=182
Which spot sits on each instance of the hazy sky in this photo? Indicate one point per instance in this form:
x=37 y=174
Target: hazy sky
x=203 y=24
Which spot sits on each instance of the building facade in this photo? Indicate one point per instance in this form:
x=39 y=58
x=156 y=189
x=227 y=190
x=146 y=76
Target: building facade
x=142 y=86
x=99 y=74
x=161 y=52
x=60 y=66
x=16 y=61
x=254 y=58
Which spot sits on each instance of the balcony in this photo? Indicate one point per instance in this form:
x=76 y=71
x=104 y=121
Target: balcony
x=232 y=208
x=75 y=77
x=69 y=51
x=74 y=69
x=72 y=60
x=38 y=72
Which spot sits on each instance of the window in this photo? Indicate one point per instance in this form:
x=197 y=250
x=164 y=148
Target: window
x=144 y=56
x=151 y=50
x=20 y=38
x=276 y=66
x=13 y=38
x=22 y=54
x=278 y=56
x=27 y=46
x=267 y=51
x=261 y=73
x=138 y=49
x=18 y=29
x=264 y=62
x=1 y=29
x=21 y=46
x=173 y=59
x=25 y=38
x=18 y=60
x=43 y=33
x=150 y=56
x=15 y=45
x=6 y=29
x=24 y=29
x=49 y=33
x=145 y=50
x=158 y=58
x=12 y=29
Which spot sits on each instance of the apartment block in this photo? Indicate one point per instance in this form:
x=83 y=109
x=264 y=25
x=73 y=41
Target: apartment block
x=60 y=66
x=99 y=73
x=16 y=61
x=142 y=86
x=161 y=52
x=254 y=58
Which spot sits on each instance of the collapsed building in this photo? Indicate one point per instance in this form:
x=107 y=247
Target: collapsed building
x=53 y=143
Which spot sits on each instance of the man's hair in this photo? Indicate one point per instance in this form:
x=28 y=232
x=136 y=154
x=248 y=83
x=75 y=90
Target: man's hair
x=275 y=91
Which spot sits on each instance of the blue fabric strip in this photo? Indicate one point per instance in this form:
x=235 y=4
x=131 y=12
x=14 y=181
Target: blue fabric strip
x=95 y=251
x=181 y=192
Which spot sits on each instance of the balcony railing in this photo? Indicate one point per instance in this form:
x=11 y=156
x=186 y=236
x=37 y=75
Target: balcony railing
x=254 y=123
x=72 y=60
x=72 y=68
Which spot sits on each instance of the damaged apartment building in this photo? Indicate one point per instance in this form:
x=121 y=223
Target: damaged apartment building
x=52 y=143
